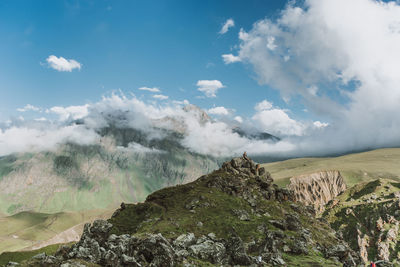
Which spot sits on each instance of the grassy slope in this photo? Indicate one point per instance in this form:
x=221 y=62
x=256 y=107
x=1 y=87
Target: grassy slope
x=355 y=168
x=27 y=228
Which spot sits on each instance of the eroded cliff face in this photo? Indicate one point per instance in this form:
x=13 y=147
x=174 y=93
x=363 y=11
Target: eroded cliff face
x=317 y=188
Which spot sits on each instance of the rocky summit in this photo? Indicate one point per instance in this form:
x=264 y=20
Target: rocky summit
x=234 y=216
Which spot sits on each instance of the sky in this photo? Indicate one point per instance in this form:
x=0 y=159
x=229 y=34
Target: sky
x=124 y=45
x=323 y=75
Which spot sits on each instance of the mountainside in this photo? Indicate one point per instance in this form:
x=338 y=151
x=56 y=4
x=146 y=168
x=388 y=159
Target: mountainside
x=100 y=176
x=234 y=216
x=355 y=168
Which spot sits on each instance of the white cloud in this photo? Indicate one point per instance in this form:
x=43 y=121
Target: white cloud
x=24 y=139
x=71 y=112
x=229 y=58
x=209 y=87
x=218 y=111
x=28 y=107
x=150 y=89
x=238 y=119
x=319 y=49
x=62 y=64
x=137 y=148
x=228 y=24
x=160 y=97
x=200 y=133
x=319 y=124
x=277 y=122
x=263 y=105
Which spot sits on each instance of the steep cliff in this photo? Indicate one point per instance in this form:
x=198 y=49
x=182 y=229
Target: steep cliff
x=317 y=188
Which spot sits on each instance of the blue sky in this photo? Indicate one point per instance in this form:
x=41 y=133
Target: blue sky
x=320 y=74
x=126 y=45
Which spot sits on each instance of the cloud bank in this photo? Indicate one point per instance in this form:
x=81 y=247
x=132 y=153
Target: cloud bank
x=342 y=59
x=81 y=124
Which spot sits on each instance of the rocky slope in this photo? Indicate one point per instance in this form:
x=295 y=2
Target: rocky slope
x=232 y=216
x=317 y=188
x=368 y=216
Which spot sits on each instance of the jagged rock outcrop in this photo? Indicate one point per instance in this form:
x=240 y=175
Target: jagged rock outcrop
x=317 y=188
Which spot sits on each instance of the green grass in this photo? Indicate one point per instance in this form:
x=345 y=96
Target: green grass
x=20 y=256
x=355 y=168
x=314 y=260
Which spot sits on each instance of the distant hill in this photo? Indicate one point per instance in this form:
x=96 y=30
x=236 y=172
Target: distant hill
x=355 y=168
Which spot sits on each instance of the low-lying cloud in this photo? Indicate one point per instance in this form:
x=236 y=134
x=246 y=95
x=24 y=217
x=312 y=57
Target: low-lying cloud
x=81 y=124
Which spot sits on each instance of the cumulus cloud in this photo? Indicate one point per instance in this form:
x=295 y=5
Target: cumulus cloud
x=71 y=112
x=218 y=111
x=160 y=97
x=150 y=89
x=228 y=24
x=276 y=121
x=62 y=64
x=341 y=58
x=229 y=58
x=28 y=107
x=209 y=87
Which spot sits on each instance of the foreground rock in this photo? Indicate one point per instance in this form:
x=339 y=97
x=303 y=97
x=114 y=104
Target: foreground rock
x=233 y=216
x=317 y=188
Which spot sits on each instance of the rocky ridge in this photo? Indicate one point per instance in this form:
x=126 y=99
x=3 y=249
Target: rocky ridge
x=317 y=188
x=233 y=216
